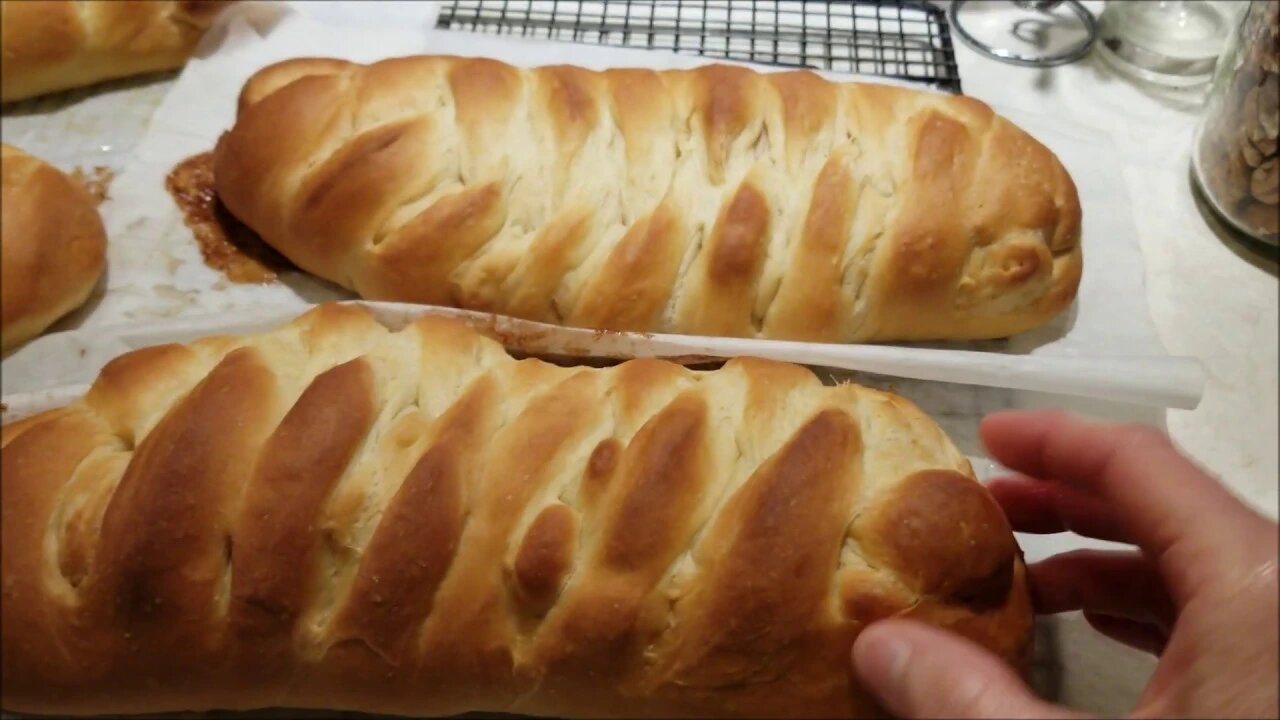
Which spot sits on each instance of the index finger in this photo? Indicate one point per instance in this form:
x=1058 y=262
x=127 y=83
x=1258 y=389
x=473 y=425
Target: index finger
x=1172 y=509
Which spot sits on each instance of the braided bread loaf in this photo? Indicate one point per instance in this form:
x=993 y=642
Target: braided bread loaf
x=332 y=515
x=53 y=246
x=55 y=45
x=715 y=201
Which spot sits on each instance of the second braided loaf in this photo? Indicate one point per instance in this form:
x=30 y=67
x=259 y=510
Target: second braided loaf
x=715 y=201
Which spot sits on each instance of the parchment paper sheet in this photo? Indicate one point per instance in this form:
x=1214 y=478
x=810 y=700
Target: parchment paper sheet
x=155 y=270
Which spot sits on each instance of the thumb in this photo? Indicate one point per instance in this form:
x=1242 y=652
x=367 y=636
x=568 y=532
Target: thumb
x=918 y=671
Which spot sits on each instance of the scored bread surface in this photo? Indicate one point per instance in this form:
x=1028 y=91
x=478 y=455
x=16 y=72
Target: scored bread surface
x=333 y=515
x=716 y=201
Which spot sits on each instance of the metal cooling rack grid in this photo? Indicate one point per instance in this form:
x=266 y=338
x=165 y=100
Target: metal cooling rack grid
x=904 y=40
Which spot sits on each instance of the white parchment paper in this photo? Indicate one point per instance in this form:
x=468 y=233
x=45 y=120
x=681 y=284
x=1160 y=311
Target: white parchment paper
x=1104 y=345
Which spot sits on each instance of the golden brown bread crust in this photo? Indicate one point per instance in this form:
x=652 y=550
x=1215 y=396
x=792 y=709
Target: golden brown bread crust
x=52 y=45
x=331 y=515
x=709 y=201
x=52 y=246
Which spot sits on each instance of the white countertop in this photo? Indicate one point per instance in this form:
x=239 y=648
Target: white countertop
x=1210 y=296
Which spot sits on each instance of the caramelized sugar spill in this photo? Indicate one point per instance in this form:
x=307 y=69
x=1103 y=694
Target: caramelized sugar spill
x=227 y=244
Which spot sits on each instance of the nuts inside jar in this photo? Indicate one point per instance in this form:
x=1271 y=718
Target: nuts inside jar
x=1237 y=151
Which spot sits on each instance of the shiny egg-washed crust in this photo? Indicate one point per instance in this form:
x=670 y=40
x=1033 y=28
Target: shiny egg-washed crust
x=52 y=246
x=713 y=201
x=52 y=45
x=333 y=515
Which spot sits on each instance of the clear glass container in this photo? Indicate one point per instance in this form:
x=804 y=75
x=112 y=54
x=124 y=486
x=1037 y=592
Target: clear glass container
x=1234 y=158
x=1172 y=43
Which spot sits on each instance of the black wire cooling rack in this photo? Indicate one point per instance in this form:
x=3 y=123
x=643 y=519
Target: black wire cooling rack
x=904 y=40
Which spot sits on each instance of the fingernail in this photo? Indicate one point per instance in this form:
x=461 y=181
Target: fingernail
x=887 y=653
x=896 y=654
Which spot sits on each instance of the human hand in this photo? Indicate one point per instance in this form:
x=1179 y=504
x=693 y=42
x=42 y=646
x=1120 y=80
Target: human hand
x=1201 y=593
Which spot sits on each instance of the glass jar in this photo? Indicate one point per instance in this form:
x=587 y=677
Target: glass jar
x=1170 y=43
x=1234 y=158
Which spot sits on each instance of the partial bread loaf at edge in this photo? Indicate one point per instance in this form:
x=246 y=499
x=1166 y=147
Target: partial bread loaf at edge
x=52 y=45
x=713 y=201
x=331 y=515
x=52 y=246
